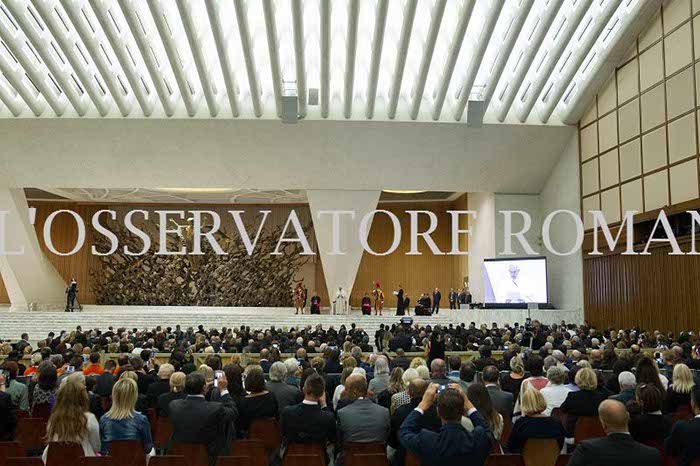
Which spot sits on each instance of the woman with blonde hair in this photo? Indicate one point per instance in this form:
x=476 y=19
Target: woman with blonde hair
x=394 y=386
x=403 y=398
x=340 y=388
x=514 y=379
x=417 y=362
x=678 y=394
x=122 y=422
x=585 y=401
x=72 y=422
x=534 y=423
x=177 y=392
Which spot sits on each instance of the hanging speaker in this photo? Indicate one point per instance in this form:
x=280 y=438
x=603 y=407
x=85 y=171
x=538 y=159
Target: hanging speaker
x=475 y=113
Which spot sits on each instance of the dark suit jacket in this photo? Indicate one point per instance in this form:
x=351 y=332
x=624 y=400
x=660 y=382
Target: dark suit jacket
x=196 y=420
x=401 y=361
x=7 y=418
x=683 y=441
x=265 y=364
x=286 y=394
x=155 y=390
x=581 y=403
x=615 y=449
x=305 y=423
x=401 y=341
x=163 y=402
x=452 y=446
x=502 y=401
x=104 y=384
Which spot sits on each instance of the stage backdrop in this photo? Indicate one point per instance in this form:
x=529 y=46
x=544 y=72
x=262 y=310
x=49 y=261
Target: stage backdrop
x=213 y=281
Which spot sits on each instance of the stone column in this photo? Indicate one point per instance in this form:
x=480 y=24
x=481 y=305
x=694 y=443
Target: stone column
x=340 y=270
x=31 y=280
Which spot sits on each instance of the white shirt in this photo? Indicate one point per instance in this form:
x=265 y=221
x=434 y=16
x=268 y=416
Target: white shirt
x=554 y=395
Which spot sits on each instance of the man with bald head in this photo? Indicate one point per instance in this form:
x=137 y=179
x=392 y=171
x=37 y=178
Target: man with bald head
x=361 y=421
x=617 y=448
x=438 y=372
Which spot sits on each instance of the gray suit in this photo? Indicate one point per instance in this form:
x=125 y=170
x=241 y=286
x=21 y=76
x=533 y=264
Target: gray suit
x=363 y=421
x=285 y=394
x=502 y=401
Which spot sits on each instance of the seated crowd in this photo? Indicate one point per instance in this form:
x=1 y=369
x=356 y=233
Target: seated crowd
x=549 y=383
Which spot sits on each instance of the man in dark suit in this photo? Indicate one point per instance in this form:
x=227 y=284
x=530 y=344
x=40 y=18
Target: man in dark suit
x=8 y=420
x=196 y=420
x=430 y=420
x=452 y=297
x=161 y=386
x=309 y=421
x=400 y=340
x=452 y=445
x=437 y=296
x=400 y=360
x=286 y=395
x=502 y=400
x=683 y=440
x=264 y=362
x=618 y=447
x=105 y=381
x=438 y=372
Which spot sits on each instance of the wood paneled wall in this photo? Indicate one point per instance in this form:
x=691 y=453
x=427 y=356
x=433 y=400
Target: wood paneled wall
x=654 y=292
x=415 y=273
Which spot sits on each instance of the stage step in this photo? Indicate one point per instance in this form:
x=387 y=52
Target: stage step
x=39 y=324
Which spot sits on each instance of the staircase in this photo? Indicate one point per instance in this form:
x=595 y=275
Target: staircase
x=38 y=324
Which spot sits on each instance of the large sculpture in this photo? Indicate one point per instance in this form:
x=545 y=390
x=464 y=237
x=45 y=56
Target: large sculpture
x=235 y=279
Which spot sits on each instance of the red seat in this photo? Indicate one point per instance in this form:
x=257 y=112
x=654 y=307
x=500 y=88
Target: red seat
x=588 y=427
x=505 y=435
x=411 y=459
x=303 y=460
x=128 y=452
x=41 y=410
x=30 y=433
x=19 y=414
x=268 y=431
x=504 y=460
x=659 y=445
x=163 y=432
x=235 y=461
x=557 y=414
x=563 y=460
x=364 y=448
x=64 y=454
x=169 y=460
x=99 y=461
x=540 y=452
x=255 y=449
x=195 y=453
x=366 y=459
x=10 y=450
x=25 y=461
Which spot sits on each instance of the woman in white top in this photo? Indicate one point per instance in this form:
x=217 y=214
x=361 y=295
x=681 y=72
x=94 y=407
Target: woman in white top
x=71 y=421
x=340 y=388
x=556 y=391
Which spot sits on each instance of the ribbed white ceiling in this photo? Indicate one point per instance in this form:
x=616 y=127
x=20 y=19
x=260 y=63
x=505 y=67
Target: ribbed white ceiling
x=348 y=59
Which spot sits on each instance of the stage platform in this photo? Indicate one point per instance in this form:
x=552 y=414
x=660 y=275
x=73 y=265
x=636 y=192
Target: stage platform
x=39 y=323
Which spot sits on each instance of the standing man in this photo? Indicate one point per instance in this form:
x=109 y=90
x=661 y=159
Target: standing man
x=399 y=301
x=437 y=296
x=71 y=292
x=452 y=296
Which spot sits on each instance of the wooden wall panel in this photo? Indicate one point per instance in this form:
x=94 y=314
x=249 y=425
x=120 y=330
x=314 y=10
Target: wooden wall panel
x=416 y=273
x=658 y=291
